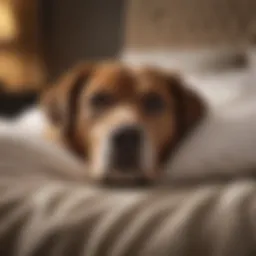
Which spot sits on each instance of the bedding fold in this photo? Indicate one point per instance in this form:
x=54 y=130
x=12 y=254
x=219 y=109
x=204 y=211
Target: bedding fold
x=47 y=208
x=61 y=218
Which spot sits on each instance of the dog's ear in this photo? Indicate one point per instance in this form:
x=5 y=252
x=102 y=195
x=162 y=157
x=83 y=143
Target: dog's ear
x=190 y=107
x=189 y=111
x=59 y=101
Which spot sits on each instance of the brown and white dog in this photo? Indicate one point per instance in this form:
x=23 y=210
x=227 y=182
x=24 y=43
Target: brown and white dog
x=123 y=122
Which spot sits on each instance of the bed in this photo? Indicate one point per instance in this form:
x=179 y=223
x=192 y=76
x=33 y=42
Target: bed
x=206 y=206
x=48 y=208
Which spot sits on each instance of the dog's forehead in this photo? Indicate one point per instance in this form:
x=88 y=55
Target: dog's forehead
x=126 y=79
x=112 y=77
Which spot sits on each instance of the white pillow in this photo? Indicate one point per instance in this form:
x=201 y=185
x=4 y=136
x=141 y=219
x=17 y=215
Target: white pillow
x=226 y=140
x=22 y=150
x=31 y=123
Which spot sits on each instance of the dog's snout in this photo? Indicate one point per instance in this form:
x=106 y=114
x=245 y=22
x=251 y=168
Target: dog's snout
x=126 y=147
x=127 y=138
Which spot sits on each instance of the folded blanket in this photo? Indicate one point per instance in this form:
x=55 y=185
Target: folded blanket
x=47 y=210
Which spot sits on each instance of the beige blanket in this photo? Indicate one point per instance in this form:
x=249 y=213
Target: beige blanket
x=46 y=209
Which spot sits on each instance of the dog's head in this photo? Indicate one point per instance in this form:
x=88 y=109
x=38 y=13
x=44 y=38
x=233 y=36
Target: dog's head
x=124 y=122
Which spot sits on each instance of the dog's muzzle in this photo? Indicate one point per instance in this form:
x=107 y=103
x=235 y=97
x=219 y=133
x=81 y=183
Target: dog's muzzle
x=126 y=145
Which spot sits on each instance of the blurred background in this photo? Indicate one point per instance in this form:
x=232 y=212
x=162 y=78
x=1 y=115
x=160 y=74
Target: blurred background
x=39 y=39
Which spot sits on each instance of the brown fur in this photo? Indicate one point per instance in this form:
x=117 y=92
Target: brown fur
x=67 y=106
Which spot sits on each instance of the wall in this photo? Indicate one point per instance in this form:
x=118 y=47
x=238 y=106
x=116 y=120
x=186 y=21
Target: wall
x=81 y=30
x=178 y=24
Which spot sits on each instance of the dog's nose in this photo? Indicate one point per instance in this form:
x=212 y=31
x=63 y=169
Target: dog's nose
x=126 y=146
x=127 y=138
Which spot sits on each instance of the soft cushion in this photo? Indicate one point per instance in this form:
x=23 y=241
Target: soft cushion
x=225 y=141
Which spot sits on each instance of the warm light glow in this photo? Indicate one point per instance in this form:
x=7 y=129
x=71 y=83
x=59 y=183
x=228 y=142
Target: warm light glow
x=8 y=28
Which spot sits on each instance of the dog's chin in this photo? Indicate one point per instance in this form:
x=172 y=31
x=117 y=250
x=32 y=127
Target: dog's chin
x=126 y=180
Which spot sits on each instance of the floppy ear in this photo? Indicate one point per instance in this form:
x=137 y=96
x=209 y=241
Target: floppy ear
x=60 y=101
x=189 y=110
x=190 y=107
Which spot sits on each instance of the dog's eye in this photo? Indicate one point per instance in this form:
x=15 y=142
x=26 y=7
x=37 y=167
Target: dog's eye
x=153 y=103
x=100 y=101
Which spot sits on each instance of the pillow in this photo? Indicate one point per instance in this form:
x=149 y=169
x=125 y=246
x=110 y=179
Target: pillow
x=22 y=150
x=201 y=60
x=225 y=142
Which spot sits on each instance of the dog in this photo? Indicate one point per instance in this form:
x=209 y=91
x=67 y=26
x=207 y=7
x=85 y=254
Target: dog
x=124 y=122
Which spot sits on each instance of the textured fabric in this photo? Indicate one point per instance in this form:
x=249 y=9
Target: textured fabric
x=55 y=218
x=172 y=24
x=45 y=210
